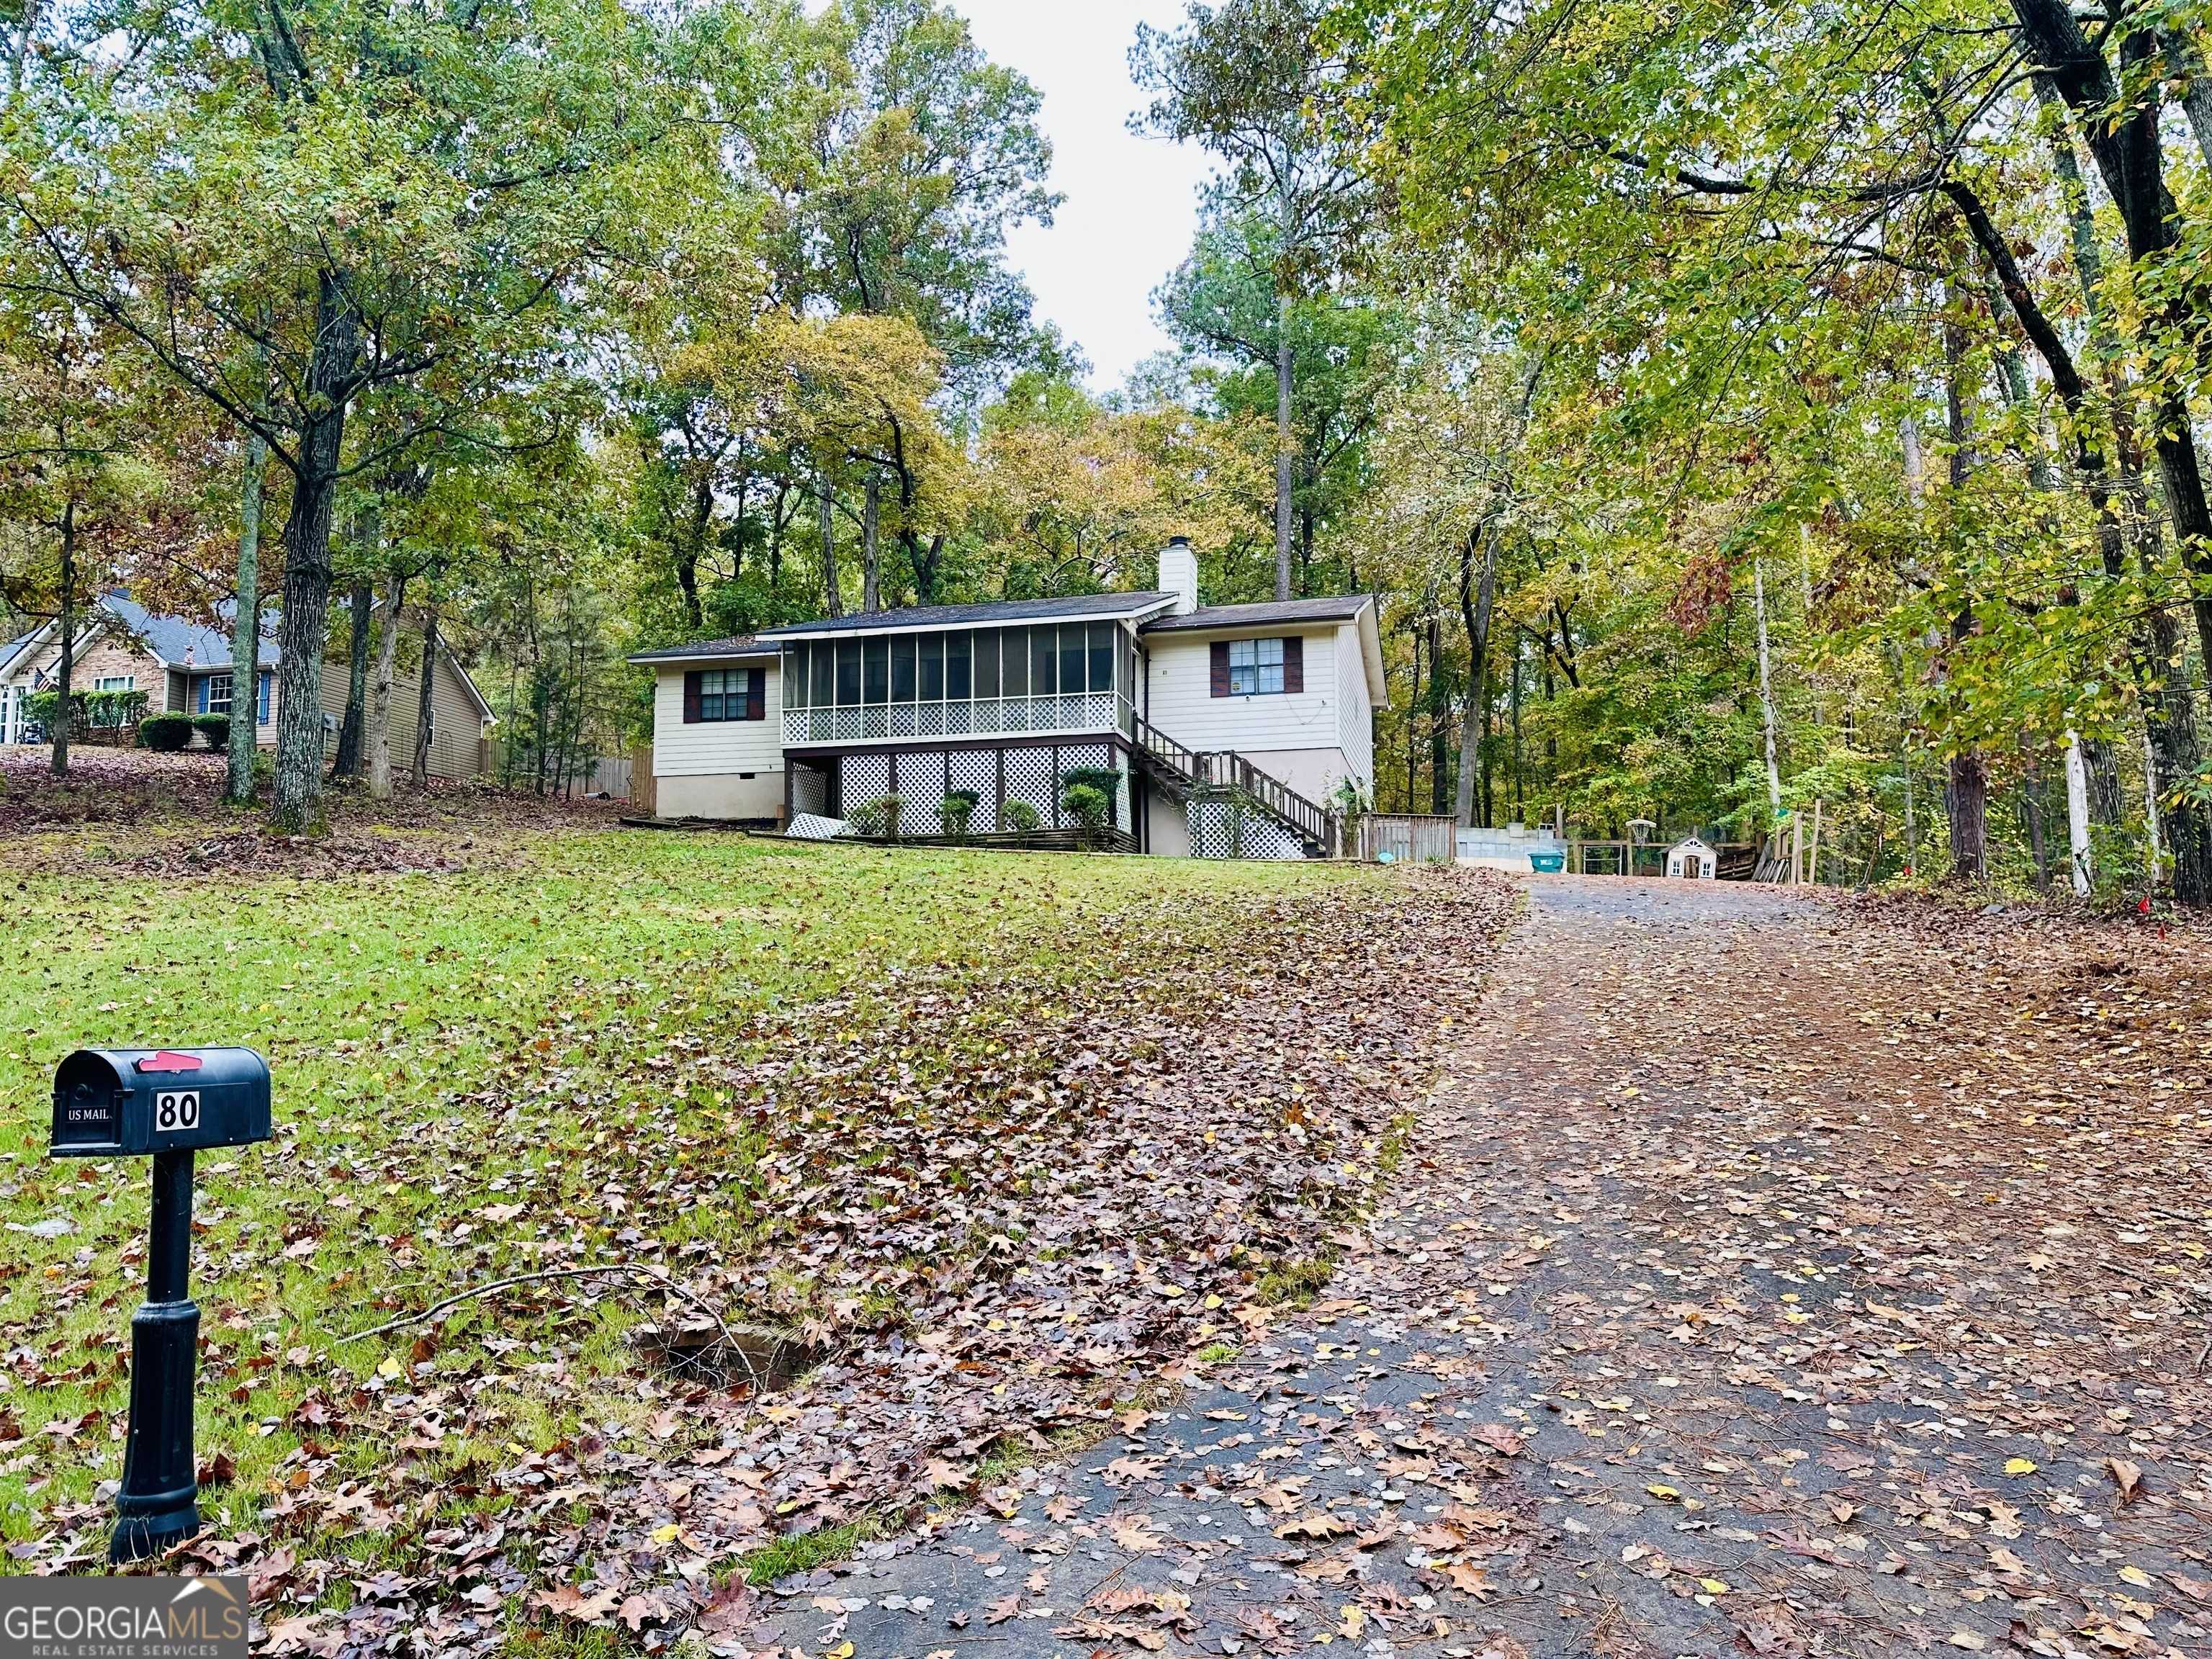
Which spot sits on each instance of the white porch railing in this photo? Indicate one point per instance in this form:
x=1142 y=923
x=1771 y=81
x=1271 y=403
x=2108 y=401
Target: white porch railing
x=978 y=717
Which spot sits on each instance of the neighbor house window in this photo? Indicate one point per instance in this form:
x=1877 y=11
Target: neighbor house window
x=214 y=694
x=1255 y=666
x=116 y=682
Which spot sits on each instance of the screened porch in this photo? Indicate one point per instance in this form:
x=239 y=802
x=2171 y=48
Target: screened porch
x=972 y=682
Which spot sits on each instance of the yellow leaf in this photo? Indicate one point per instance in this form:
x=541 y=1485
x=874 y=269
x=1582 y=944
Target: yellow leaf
x=2018 y=1466
x=1712 y=1586
x=2136 y=1576
x=663 y=1535
x=389 y=1370
x=1665 y=1494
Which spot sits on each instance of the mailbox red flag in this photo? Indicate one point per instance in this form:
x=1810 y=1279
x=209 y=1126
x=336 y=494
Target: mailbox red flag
x=168 y=1060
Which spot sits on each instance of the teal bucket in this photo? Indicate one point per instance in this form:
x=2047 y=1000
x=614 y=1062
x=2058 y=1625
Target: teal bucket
x=1547 y=864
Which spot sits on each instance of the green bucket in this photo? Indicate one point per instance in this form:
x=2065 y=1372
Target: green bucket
x=1547 y=864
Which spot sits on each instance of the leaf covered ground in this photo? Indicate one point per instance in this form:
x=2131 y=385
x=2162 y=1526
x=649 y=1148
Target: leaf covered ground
x=997 y=1145
x=1766 y=1277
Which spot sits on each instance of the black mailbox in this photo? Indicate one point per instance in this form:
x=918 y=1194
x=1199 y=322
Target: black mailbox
x=126 y=1103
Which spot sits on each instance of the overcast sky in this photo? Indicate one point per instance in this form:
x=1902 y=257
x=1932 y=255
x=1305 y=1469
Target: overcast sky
x=1132 y=202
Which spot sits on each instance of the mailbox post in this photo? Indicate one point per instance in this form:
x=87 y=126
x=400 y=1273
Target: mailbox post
x=165 y=1103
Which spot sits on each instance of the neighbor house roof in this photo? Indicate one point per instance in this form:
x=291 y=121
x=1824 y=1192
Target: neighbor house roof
x=743 y=645
x=976 y=616
x=1267 y=613
x=14 y=648
x=180 y=642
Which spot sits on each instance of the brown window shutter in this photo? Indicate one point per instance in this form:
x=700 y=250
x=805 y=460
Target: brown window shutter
x=756 y=694
x=691 y=696
x=1294 y=663
x=1221 y=668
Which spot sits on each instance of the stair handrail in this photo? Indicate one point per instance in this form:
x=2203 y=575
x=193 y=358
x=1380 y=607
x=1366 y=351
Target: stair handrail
x=1226 y=768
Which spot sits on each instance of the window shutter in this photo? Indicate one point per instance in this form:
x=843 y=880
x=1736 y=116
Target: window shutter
x=201 y=707
x=1221 y=668
x=1294 y=663
x=261 y=700
x=691 y=696
x=756 y=694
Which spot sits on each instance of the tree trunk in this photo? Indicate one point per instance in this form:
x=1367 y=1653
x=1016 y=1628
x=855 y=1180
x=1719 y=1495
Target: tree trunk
x=2077 y=817
x=1284 y=457
x=423 y=707
x=64 y=682
x=872 y=558
x=308 y=563
x=19 y=53
x=693 y=548
x=1439 y=707
x=1475 y=598
x=347 y=764
x=246 y=632
x=1766 y=690
x=378 y=738
x=2128 y=153
x=832 y=602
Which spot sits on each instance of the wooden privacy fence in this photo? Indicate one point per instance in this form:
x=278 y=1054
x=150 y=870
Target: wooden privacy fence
x=1409 y=838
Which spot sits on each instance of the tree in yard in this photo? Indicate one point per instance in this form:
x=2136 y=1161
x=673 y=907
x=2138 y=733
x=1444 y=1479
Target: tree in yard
x=292 y=211
x=78 y=483
x=1254 y=81
x=1221 y=305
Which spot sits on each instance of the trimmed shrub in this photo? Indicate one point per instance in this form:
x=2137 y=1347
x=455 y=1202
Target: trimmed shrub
x=878 y=820
x=1020 y=815
x=216 y=728
x=165 y=733
x=957 y=812
x=1090 y=807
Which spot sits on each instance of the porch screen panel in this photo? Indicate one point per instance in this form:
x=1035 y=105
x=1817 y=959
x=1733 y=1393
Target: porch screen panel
x=1016 y=654
x=1102 y=656
x=978 y=770
x=903 y=669
x=985 y=651
x=1044 y=680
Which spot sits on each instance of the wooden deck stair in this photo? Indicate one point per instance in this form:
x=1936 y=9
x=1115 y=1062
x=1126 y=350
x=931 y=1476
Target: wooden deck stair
x=1187 y=774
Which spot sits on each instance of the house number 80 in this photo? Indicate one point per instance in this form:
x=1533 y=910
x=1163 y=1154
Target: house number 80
x=177 y=1110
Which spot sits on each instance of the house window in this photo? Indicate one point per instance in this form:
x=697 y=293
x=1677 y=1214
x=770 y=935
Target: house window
x=116 y=682
x=722 y=694
x=1255 y=666
x=214 y=694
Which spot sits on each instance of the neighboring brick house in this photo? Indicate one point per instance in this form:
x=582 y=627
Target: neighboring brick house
x=184 y=667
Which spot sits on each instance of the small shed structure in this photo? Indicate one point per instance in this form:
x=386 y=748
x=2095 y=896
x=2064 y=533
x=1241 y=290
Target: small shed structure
x=1690 y=860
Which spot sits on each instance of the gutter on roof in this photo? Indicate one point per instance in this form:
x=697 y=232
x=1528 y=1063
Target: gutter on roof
x=702 y=654
x=868 y=625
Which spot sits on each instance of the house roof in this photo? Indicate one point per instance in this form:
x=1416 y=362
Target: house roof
x=975 y=616
x=743 y=645
x=1267 y=613
x=14 y=648
x=180 y=642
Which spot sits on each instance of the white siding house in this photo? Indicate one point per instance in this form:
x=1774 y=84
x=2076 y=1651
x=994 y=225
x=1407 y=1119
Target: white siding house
x=718 y=753
x=1227 y=728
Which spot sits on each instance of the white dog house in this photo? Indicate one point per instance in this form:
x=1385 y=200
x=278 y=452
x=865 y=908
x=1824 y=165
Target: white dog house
x=1690 y=860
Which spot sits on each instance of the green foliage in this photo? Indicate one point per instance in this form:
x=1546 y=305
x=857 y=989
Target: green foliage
x=1020 y=816
x=165 y=733
x=216 y=728
x=876 y=820
x=1090 y=807
x=957 y=810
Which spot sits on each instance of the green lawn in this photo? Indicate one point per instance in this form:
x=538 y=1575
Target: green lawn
x=476 y=1074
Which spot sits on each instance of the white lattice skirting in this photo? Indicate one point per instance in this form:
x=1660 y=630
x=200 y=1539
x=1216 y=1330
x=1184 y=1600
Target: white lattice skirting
x=1228 y=829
